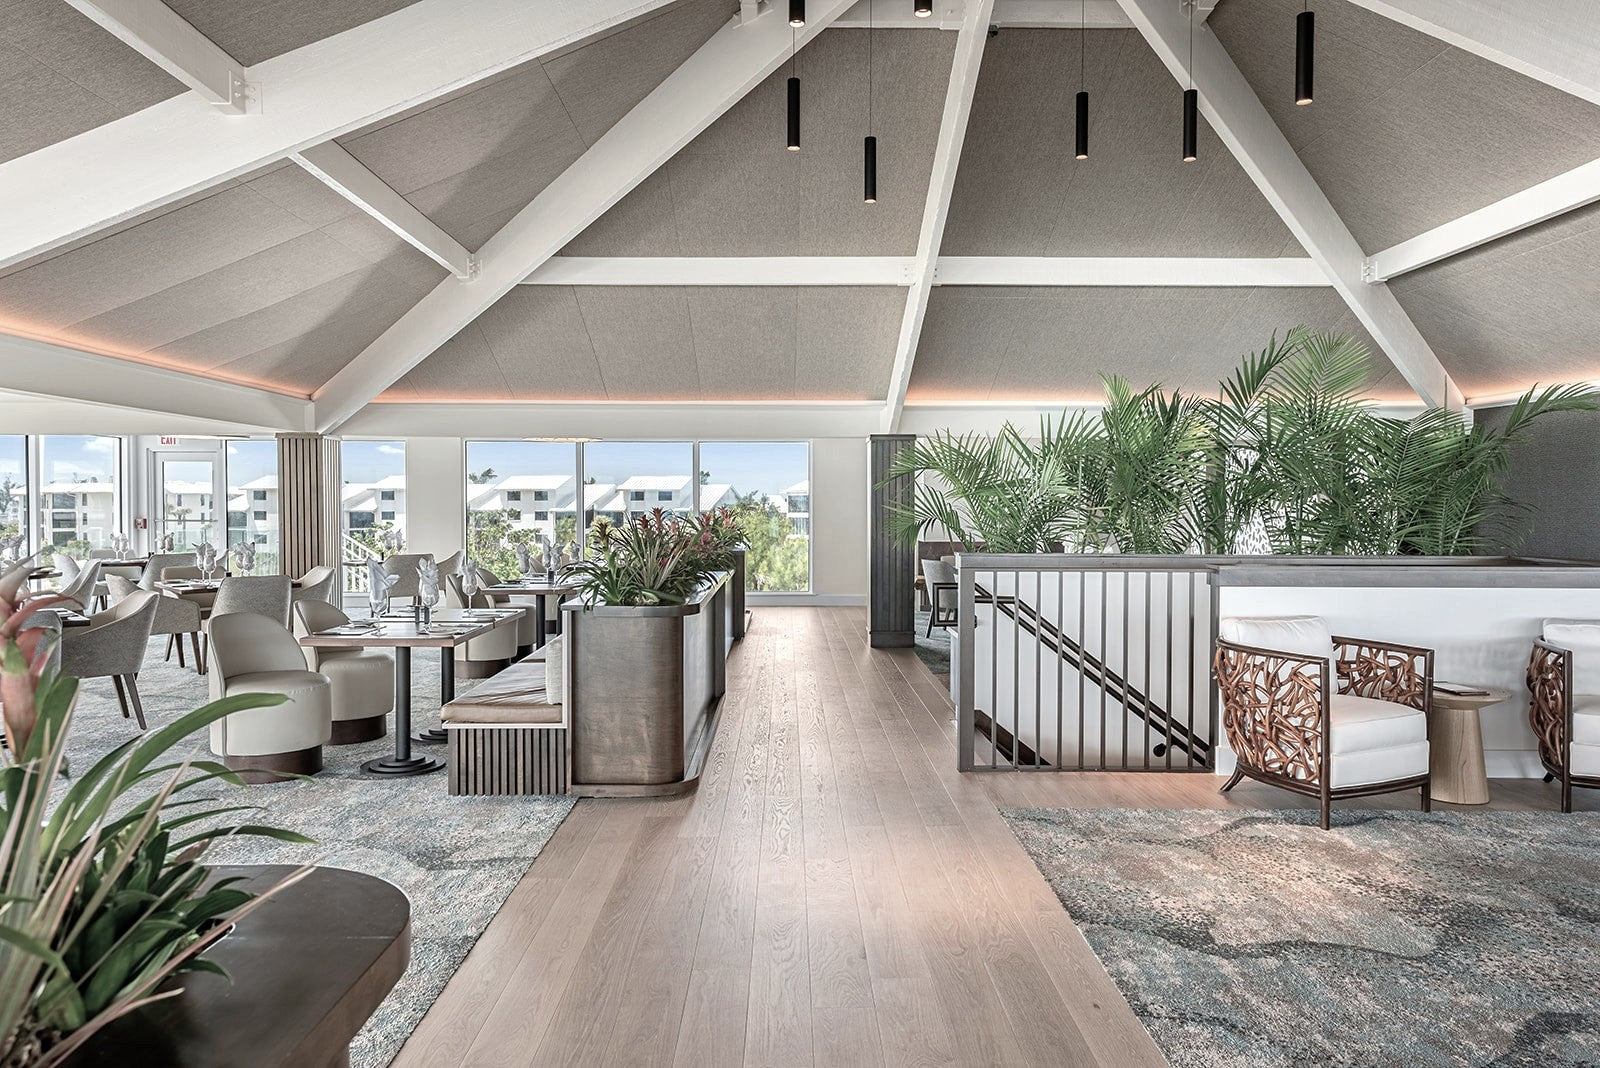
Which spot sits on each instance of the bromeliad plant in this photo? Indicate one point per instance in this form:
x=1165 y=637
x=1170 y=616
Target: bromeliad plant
x=655 y=558
x=102 y=894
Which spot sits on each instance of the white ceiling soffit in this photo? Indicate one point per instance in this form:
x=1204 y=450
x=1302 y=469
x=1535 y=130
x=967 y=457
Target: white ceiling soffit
x=619 y=420
x=936 y=208
x=1553 y=41
x=310 y=95
x=45 y=370
x=1237 y=115
x=1198 y=272
x=723 y=70
x=1008 y=14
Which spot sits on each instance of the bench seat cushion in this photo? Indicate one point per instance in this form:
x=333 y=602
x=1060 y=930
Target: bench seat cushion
x=516 y=695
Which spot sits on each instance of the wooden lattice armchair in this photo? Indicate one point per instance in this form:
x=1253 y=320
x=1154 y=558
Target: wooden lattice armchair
x=1324 y=716
x=1564 y=705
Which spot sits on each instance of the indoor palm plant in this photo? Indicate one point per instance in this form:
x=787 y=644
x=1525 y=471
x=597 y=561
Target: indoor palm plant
x=102 y=896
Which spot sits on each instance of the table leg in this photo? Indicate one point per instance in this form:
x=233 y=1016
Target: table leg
x=1456 y=757
x=402 y=763
x=538 y=621
x=447 y=693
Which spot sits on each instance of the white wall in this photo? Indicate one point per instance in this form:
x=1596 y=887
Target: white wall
x=436 y=495
x=436 y=511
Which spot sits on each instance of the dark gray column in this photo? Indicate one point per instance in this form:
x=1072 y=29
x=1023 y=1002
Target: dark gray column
x=891 y=567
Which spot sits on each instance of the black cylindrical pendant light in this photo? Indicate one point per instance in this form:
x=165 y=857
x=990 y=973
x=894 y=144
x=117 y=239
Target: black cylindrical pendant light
x=797 y=12
x=922 y=8
x=1305 y=46
x=1083 y=125
x=869 y=191
x=794 y=114
x=1191 y=125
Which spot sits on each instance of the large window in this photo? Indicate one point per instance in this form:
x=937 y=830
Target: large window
x=519 y=492
x=629 y=477
x=79 y=493
x=253 y=500
x=374 y=496
x=768 y=483
x=13 y=486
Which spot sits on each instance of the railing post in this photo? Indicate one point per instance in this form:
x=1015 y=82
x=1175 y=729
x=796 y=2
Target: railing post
x=966 y=634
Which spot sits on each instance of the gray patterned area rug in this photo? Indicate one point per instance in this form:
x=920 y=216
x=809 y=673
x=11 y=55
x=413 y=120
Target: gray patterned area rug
x=457 y=858
x=1394 y=939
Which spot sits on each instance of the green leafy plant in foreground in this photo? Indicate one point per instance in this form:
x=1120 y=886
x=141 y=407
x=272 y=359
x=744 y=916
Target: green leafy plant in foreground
x=655 y=558
x=102 y=896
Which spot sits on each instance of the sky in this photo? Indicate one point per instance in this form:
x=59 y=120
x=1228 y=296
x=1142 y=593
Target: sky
x=249 y=460
x=78 y=459
x=767 y=466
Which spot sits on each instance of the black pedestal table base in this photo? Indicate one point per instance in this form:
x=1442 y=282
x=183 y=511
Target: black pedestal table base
x=447 y=693
x=403 y=763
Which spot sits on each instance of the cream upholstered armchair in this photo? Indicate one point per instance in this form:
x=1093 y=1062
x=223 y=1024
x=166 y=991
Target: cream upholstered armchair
x=1324 y=716
x=362 y=679
x=1564 y=705
x=405 y=566
x=253 y=653
x=527 y=629
x=487 y=654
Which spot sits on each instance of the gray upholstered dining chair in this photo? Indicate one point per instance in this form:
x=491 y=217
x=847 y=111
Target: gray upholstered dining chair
x=113 y=645
x=487 y=654
x=155 y=569
x=316 y=585
x=263 y=595
x=939 y=579
x=451 y=565
x=362 y=679
x=84 y=587
x=65 y=564
x=175 y=617
x=252 y=653
x=527 y=629
x=405 y=565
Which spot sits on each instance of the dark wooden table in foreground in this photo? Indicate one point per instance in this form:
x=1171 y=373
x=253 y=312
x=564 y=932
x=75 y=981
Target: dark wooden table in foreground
x=308 y=968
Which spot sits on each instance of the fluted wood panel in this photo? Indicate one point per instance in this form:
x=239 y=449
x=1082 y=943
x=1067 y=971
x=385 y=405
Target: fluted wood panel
x=308 y=502
x=514 y=761
x=891 y=566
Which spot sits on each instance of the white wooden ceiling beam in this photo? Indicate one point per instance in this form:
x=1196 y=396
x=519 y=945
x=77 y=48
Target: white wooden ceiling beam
x=309 y=95
x=1008 y=14
x=723 y=70
x=1548 y=199
x=723 y=271
x=1215 y=272
x=1553 y=41
x=936 y=208
x=331 y=164
x=1237 y=115
x=161 y=35
x=1125 y=271
x=44 y=369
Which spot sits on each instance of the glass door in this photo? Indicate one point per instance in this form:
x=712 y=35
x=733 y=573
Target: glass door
x=188 y=509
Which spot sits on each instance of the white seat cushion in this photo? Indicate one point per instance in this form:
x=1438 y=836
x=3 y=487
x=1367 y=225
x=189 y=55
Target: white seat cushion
x=1582 y=636
x=305 y=720
x=363 y=684
x=1379 y=765
x=1361 y=724
x=1300 y=635
x=1586 y=760
x=1585 y=720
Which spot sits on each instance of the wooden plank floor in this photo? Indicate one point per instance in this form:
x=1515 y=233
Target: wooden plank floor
x=835 y=893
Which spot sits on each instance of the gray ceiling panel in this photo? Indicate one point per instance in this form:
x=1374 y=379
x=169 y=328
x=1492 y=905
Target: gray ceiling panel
x=60 y=75
x=1406 y=133
x=1021 y=192
x=293 y=189
x=744 y=340
x=735 y=191
x=539 y=339
x=642 y=339
x=464 y=358
x=1028 y=344
x=845 y=341
x=251 y=31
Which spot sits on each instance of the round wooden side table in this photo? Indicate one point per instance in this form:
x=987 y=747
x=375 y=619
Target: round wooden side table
x=1455 y=755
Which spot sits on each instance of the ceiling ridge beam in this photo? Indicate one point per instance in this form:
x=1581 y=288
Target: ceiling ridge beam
x=1007 y=14
x=1219 y=272
x=1241 y=121
x=333 y=165
x=162 y=36
x=722 y=271
x=49 y=369
x=735 y=60
x=311 y=94
x=1552 y=41
x=1534 y=205
x=963 y=82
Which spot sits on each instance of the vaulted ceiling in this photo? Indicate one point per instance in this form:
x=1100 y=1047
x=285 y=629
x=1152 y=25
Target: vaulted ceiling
x=272 y=278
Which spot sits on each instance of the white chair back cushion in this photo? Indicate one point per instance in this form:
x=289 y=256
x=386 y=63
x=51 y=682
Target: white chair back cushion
x=1582 y=636
x=1300 y=635
x=555 y=671
x=244 y=643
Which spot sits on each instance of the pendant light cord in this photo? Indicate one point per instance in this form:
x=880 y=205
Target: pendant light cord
x=1083 y=43
x=1191 y=44
x=869 y=68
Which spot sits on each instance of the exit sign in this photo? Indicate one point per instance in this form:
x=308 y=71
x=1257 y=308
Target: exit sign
x=168 y=441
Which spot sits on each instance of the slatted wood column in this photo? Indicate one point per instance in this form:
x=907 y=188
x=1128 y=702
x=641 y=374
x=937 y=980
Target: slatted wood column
x=892 y=566
x=308 y=502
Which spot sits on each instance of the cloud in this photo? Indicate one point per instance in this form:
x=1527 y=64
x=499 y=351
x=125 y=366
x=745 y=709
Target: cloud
x=392 y=450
